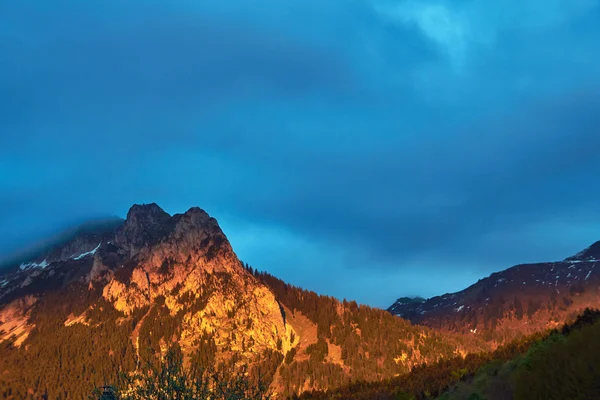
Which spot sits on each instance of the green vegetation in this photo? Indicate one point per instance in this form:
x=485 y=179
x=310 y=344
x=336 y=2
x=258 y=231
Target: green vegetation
x=169 y=380
x=59 y=361
x=565 y=366
x=371 y=341
x=65 y=362
x=359 y=352
x=556 y=365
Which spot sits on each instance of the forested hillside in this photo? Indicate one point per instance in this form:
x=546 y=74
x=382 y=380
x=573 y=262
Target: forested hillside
x=560 y=364
x=371 y=343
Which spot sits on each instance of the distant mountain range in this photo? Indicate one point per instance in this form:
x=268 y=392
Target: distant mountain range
x=521 y=300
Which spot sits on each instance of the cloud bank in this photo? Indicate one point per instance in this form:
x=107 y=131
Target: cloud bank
x=363 y=149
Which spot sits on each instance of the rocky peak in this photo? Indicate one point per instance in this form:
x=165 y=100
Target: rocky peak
x=146 y=216
x=145 y=225
x=197 y=218
x=193 y=232
x=199 y=227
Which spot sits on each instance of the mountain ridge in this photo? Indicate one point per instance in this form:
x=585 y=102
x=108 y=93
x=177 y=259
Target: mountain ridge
x=519 y=300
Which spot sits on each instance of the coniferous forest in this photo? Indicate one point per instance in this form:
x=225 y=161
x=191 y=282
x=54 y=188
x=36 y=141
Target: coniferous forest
x=98 y=353
x=560 y=364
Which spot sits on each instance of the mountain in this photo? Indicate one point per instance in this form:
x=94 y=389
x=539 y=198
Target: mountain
x=113 y=299
x=521 y=300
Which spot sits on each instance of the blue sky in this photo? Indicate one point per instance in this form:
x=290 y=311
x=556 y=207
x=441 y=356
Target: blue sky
x=366 y=149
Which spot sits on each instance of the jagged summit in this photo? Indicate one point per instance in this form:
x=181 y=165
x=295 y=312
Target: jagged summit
x=148 y=236
x=151 y=216
x=153 y=212
x=146 y=212
x=145 y=224
x=197 y=211
x=197 y=217
x=148 y=225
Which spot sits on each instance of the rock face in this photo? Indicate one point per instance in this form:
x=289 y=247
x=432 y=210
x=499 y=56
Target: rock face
x=145 y=225
x=520 y=300
x=186 y=260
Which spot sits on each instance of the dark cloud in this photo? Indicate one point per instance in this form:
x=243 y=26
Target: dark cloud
x=405 y=147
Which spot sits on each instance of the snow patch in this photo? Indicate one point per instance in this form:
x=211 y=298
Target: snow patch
x=590 y=272
x=459 y=309
x=87 y=253
x=32 y=264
